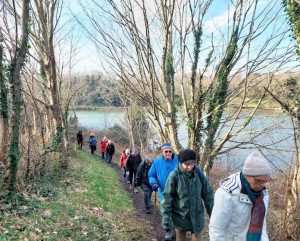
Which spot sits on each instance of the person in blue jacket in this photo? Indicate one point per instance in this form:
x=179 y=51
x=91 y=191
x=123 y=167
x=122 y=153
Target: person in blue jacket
x=160 y=170
x=93 y=143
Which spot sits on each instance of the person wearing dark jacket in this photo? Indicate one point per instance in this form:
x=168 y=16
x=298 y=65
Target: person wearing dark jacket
x=142 y=180
x=93 y=143
x=182 y=205
x=109 y=151
x=79 y=137
x=132 y=164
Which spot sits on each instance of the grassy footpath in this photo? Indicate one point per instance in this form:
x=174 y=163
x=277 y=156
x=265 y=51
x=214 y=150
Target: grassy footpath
x=86 y=203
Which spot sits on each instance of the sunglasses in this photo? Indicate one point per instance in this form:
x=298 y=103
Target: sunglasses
x=168 y=151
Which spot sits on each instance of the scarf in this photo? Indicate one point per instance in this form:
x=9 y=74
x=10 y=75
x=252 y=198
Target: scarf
x=257 y=213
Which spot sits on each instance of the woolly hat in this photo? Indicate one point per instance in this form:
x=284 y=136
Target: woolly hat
x=256 y=165
x=148 y=158
x=187 y=156
x=166 y=145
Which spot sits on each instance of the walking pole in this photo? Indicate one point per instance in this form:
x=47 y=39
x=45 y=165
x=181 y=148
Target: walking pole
x=154 y=213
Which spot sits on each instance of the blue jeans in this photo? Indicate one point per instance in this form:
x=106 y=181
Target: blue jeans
x=109 y=158
x=147 y=195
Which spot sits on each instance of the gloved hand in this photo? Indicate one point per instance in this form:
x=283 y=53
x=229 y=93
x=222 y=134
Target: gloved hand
x=155 y=187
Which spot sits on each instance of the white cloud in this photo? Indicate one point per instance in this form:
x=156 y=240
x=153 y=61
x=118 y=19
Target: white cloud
x=217 y=22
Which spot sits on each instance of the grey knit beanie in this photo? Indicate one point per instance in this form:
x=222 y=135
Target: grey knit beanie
x=256 y=165
x=166 y=145
x=148 y=158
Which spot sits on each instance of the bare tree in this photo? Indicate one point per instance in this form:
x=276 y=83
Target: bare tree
x=43 y=121
x=20 y=49
x=45 y=18
x=292 y=219
x=4 y=118
x=156 y=49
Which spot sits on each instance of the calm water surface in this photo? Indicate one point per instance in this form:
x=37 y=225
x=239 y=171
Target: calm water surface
x=99 y=120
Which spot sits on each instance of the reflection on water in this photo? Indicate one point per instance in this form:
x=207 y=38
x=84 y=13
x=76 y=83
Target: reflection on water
x=99 y=120
x=269 y=132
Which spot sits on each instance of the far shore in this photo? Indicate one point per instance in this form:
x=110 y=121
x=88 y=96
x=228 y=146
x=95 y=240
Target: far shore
x=112 y=108
x=101 y=108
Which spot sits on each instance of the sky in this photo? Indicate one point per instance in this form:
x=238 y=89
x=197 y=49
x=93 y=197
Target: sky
x=88 y=59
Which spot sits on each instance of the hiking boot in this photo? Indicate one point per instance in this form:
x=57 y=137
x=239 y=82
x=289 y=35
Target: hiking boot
x=148 y=210
x=168 y=236
x=135 y=190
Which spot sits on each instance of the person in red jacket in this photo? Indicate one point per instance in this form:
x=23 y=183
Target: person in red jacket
x=102 y=146
x=122 y=162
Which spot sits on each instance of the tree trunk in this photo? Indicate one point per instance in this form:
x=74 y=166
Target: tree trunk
x=216 y=103
x=3 y=140
x=45 y=15
x=4 y=129
x=30 y=123
x=292 y=9
x=16 y=92
x=291 y=227
x=130 y=126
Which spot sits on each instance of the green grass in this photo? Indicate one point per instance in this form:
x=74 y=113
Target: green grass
x=103 y=185
x=86 y=203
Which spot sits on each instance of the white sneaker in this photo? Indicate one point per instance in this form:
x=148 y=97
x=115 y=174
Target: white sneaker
x=168 y=236
x=135 y=190
x=130 y=187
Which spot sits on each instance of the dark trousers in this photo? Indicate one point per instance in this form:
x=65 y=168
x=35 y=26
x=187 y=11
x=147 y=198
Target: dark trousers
x=79 y=144
x=132 y=177
x=109 y=158
x=103 y=155
x=147 y=190
x=93 y=149
x=124 y=172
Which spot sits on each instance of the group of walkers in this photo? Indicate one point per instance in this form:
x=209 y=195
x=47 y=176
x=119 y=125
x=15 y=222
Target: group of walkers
x=135 y=172
x=106 y=146
x=237 y=210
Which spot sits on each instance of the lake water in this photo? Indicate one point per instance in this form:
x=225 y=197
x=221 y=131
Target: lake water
x=269 y=132
x=99 y=120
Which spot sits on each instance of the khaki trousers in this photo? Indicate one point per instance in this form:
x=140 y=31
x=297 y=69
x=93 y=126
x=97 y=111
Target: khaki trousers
x=181 y=235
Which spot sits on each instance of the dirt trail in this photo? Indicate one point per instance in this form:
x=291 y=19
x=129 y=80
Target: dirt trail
x=150 y=220
x=157 y=233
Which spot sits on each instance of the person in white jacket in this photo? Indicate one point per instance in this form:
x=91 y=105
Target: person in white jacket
x=241 y=203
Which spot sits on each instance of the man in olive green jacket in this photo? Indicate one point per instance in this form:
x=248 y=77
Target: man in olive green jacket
x=185 y=189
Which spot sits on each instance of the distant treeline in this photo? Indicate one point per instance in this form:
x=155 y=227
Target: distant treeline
x=95 y=91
